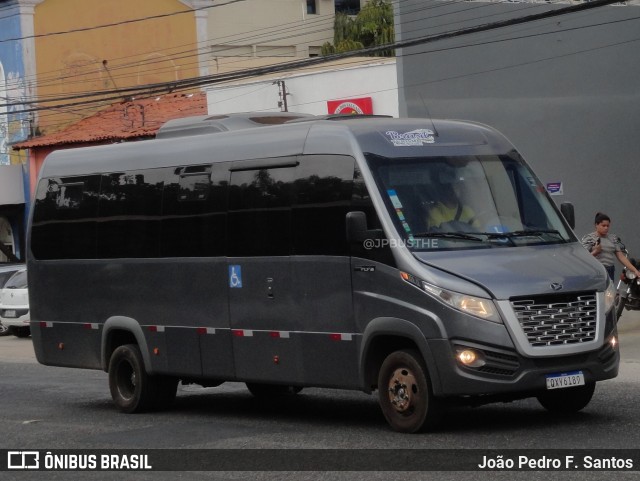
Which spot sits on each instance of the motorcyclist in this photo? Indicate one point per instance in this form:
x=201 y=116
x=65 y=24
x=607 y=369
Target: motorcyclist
x=606 y=247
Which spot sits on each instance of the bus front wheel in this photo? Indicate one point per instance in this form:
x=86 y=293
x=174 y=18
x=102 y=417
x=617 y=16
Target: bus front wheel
x=405 y=394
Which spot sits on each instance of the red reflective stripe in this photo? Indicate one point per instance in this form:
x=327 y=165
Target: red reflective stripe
x=153 y=328
x=341 y=337
x=274 y=334
x=242 y=332
x=201 y=330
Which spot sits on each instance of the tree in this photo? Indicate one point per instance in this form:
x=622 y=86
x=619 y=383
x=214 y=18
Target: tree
x=373 y=26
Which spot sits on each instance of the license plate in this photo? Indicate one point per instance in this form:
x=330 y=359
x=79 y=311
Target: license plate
x=565 y=379
x=10 y=313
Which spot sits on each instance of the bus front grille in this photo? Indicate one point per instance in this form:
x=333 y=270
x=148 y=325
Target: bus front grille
x=558 y=320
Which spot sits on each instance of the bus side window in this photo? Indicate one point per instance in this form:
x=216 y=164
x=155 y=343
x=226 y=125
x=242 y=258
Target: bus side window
x=130 y=214
x=323 y=188
x=64 y=218
x=259 y=221
x=194 y=211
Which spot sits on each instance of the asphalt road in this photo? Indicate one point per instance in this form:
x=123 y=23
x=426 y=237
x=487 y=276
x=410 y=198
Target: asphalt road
x=56 y=408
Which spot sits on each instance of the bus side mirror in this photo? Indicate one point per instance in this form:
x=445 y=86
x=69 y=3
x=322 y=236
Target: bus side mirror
x=567 y=211
x=357 y=228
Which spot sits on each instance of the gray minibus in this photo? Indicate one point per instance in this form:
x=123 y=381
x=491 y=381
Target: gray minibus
x=418 y=258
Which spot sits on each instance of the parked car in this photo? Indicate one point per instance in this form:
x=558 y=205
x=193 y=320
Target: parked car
x=6 y=271
x=14 y=304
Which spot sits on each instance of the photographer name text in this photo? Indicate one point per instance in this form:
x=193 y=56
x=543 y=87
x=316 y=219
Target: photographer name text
x=555 y=463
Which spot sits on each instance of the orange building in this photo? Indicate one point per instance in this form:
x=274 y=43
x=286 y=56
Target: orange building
x=124 y=121
x=86 y=46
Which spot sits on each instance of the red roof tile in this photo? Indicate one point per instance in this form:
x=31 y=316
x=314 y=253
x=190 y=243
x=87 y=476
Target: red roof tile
x=125 y=120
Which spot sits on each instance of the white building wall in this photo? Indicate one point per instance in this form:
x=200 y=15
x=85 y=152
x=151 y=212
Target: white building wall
x=309 y=93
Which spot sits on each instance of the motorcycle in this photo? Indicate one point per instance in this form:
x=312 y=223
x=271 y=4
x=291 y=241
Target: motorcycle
x=628 y=288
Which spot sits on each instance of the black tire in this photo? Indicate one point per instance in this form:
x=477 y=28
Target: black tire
x=132 y=389
x=21 y=332
x=569 y=400
x=405 y=394
x=4 y=330
x=270 y=390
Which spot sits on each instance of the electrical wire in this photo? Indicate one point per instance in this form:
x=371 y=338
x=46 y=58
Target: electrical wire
x=212 y=79
x=124 y=22
x=209 y=80
x=267 y=31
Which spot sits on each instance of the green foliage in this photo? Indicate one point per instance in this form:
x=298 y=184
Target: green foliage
x=327 y=49
x=373 y=26
x=348 y=44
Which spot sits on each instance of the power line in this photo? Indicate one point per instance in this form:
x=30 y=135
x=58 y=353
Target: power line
x=267 y=31
x=209 y=79
x=124 y=22
x=173 y=58
x=154 y=89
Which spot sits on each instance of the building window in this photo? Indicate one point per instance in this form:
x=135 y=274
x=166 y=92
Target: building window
x=349 y=7
x=315 y=51
x=311 y=6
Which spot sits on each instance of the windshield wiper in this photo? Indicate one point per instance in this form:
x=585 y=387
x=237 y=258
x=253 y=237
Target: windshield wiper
x=450 y=235
x=522 y=233
x=534 y=232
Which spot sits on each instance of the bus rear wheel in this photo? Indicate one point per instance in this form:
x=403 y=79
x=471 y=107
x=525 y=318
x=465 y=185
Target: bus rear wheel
x=132 y=389
x=405 y=394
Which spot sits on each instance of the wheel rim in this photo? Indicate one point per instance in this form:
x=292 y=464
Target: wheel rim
x=127 y=380
x=403 y=389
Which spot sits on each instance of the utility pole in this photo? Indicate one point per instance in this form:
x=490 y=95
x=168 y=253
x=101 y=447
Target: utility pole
x=282 y=93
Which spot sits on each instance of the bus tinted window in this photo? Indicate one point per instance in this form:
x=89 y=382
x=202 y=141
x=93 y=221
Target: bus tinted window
x=324 y=186
x=194 y=210
x=260 y=212
x=64 y=220
x=130 y=209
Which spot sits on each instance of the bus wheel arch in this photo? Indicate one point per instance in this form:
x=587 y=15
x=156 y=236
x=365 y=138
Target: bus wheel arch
x=118 y=331
x=383 y=336
x=125 y=357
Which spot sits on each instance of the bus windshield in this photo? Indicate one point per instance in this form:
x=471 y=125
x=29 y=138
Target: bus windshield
x=467 y=202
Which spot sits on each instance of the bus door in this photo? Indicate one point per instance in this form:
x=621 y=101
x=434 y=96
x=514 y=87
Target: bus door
x=322 y=271
x=289 y=271
x=263 y=310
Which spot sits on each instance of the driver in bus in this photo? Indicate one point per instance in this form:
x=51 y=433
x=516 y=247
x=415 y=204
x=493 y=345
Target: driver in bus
x=449 y=212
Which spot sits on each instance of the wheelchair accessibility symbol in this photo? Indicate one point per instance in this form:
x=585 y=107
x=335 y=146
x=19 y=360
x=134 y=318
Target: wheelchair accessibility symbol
x=235 y=276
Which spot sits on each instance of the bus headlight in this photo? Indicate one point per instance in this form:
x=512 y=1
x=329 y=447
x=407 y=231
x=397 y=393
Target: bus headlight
x=609 y=297
x=476 y=306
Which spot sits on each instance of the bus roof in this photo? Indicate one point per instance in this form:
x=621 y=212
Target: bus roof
x=344 y=135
